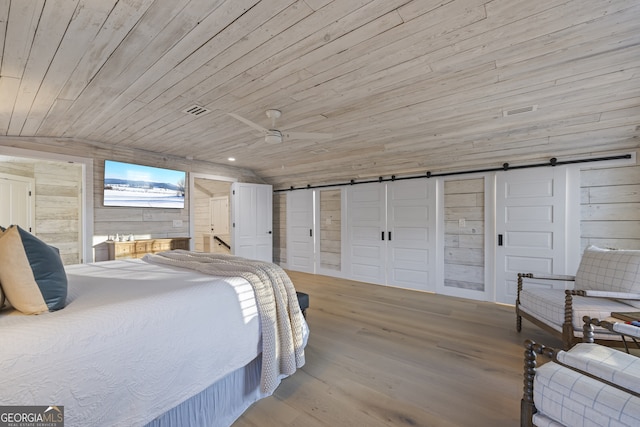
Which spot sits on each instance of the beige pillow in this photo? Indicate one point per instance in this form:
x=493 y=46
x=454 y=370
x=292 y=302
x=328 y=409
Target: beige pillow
x=32 y=274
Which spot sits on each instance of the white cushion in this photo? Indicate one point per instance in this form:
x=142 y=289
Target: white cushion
x=609 y=270
x=548 y=306
x=604 y=362
x=573 y=399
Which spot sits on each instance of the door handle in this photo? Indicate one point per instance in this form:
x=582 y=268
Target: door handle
x=310 y=232
x=389 y=234
x=382 y=235
x=499 y=239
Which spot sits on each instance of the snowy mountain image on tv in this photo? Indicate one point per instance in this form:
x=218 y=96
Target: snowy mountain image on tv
x=126 y=184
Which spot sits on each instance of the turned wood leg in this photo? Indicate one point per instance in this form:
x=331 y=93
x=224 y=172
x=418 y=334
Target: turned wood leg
x=518 y=317
x=567 y=327
x=527 y=408
x=587 y=330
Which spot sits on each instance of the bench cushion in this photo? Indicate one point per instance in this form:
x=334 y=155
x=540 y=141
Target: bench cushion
x=609 y=270
x=548 y=306
x=574 y=399
x=604 y=362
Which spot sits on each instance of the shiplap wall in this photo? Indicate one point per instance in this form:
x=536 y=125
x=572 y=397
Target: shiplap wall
x=57 y=195
x=141 y=222
x=280 y=228
x=330 y=229
x=610 y=217
x=610 y=207
x=464 y=234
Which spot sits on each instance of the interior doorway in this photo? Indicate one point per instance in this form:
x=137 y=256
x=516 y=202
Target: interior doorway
x=211 y=215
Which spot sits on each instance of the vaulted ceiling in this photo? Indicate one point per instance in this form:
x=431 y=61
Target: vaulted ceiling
x=401 y=86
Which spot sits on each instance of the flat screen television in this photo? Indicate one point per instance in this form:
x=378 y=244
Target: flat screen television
x=127 y=184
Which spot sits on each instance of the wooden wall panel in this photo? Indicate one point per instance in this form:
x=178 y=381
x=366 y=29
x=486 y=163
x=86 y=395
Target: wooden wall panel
x=464 y=234
x=330 y=229
x=610 y=207
x=280 y=228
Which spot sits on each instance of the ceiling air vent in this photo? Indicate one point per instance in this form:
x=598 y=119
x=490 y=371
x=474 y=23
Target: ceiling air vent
x=514 y=111
x=196 y=110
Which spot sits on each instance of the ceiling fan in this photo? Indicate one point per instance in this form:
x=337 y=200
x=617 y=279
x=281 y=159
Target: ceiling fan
x=275 y=136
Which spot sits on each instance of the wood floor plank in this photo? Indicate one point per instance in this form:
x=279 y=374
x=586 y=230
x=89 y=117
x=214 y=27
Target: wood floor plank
x=384 y=356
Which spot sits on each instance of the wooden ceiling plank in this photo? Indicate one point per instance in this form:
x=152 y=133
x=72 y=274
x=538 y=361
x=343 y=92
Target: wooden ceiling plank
x=82 y=29
x=51 y=29
x=154 y=34
x=193 y=86
x=193 y=27
x=298 y=39
x=233 y=30
x=346 y=32
x=221 y=42
x=20 y=32
x=485 y=45
x=4 y=19
x=117 y=25
x=8 y=93
x=374 y=47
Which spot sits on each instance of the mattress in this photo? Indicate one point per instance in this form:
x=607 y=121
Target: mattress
x=134 y=340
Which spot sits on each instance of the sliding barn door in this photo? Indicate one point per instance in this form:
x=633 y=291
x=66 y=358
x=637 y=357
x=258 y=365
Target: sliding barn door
x=411 y=234
x=252 y=212
x=537 y=225
x=366 y=215
x=300 y=231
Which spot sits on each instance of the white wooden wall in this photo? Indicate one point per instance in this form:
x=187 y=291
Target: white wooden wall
x=610 y=217
x=280 y=228
x=464 y=223
x=141 y=222
x=330 y=229
x=58 y=203
x=610 y=207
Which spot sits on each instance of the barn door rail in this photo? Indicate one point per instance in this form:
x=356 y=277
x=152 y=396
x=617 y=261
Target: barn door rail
x=505 y=167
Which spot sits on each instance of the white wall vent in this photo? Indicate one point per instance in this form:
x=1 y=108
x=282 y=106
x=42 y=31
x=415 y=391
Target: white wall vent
x=196 y=110
x=521 y=110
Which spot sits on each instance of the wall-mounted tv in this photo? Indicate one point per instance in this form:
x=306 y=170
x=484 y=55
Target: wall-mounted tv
x=131 y=185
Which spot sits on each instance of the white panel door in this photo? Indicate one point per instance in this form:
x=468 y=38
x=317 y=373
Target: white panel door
x=300 y=234
x=531 y=226
x=16 y=202
x=219 y=207
x=251 y=210
x=366 y=212
x=411 y=234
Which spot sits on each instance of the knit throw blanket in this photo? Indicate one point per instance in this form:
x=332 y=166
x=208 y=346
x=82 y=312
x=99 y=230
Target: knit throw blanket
x=280 y=315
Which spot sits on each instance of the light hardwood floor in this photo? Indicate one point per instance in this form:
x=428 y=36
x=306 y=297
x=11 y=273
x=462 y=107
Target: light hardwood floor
x=382 y=356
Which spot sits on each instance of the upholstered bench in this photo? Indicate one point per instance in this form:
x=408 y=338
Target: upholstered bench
x=303 y=301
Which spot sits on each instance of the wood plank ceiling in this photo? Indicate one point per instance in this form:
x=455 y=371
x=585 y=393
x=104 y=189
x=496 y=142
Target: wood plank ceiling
x=403 y=86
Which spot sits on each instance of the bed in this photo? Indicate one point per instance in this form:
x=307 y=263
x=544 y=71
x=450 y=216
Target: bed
x=144 y=342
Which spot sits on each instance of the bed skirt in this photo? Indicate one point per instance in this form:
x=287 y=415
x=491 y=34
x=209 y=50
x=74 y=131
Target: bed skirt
x=219 y=405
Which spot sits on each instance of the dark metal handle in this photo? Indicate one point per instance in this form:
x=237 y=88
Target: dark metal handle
x=499 y=239
x=310 y=232
x=389 y=235
x=382 y=235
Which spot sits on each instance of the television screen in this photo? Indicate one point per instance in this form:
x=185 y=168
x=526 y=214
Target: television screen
x=126 y=184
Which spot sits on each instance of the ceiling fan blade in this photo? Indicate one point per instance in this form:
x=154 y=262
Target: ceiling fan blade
x=306 y=135
x=248 y=122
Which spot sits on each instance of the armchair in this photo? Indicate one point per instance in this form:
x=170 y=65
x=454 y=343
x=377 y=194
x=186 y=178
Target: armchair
x=606 y=281
x=589 y=384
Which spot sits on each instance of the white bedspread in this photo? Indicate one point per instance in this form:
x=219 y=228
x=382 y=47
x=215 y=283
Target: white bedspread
x=134 y=341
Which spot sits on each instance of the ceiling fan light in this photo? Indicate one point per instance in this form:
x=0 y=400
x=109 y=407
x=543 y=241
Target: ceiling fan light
x=273 y=137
